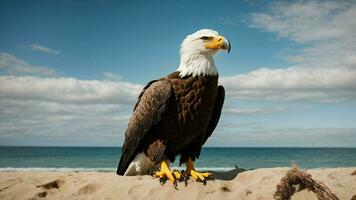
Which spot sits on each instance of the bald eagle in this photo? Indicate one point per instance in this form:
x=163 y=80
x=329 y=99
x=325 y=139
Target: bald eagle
x=176 y=114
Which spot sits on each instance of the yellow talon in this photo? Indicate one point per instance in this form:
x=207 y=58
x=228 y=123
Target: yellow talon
x=198 y=176
x=194 y=174
x=177 y=174
x=165 y=172
x=206 y=174
x=159 y=174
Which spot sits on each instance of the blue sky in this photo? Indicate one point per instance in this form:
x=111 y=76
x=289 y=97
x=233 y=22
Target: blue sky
x=71 y=70
x=107 y=36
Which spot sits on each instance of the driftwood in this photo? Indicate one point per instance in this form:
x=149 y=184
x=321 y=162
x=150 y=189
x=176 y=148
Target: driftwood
x=295 y=177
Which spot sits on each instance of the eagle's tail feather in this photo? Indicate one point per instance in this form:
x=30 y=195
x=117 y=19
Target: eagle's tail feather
x=131 y=170
x=139 y=166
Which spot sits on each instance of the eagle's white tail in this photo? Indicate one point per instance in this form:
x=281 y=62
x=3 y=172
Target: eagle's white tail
x=141 y=165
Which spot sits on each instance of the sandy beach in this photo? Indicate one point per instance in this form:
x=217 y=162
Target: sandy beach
x=253 y=184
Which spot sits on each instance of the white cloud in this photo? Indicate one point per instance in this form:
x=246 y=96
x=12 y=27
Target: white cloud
x=37 y=110
x=37 y=47
x=326 y=28
x=321 y=84
x=285 y=137
x=29 y=122
x=68 y=90
x=323 y=70
x=255 y=110
x=9 y=64
x=308 y=21
x=64 y=111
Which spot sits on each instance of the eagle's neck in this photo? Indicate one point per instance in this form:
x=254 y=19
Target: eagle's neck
x=196 y=64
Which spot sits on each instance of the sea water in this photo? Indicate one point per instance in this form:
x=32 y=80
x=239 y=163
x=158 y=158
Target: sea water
x=220 y=159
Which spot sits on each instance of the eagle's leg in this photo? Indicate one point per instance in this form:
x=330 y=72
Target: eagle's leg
x=198 y=176
x=165 y=172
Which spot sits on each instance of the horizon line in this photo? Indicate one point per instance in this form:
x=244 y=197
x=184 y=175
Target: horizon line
x=39 y=146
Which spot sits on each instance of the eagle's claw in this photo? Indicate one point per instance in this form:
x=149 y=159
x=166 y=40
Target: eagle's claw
x=166 y=174
x=200 y=176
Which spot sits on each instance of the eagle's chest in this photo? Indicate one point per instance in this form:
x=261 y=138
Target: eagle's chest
x=195 y=100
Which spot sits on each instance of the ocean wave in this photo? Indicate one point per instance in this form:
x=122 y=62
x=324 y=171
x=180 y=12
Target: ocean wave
x=103 y=169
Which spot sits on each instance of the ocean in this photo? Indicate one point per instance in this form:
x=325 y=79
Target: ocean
x=219 y=159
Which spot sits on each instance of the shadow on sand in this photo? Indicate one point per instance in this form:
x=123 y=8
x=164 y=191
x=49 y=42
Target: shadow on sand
x=227 y=175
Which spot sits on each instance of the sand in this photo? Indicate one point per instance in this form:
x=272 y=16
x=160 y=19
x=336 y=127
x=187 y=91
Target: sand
x=253 y=184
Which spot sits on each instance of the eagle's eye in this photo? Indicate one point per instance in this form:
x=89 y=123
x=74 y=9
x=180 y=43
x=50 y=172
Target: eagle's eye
x=204 y=38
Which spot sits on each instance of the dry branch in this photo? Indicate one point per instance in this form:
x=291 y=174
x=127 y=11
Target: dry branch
x=294 y=177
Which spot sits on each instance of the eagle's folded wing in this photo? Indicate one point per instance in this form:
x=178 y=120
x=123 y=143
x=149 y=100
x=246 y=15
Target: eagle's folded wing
x=151 y=104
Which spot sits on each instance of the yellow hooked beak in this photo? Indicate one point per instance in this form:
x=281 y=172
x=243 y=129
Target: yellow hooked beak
x=218 y=43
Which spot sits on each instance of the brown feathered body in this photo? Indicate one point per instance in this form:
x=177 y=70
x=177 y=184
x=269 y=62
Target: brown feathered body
x=173 y=116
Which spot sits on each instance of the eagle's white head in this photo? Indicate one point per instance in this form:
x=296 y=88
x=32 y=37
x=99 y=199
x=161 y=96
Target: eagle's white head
x=197 y=51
